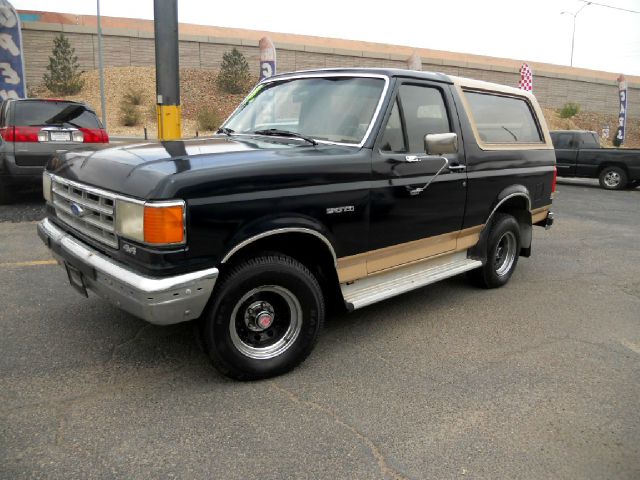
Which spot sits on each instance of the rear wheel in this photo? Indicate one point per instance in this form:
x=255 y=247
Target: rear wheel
x=265 y=318
x=613 y=178
x=503 y=250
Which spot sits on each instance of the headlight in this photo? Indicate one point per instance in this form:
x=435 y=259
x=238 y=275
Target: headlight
x=130 y=220
x=156 y=223
x=46 y=186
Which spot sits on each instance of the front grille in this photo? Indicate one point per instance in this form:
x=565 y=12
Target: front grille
x=87 y=210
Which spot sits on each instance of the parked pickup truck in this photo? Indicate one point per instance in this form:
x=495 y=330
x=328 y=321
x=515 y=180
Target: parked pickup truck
x=328 y=189
x=579 y=154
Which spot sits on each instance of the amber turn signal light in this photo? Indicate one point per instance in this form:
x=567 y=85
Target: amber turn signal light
x=164 y=224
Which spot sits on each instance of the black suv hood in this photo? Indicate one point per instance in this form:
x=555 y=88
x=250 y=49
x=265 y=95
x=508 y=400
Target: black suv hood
x=193 y=168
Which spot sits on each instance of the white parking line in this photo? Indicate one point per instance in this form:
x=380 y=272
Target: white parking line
x=631 y=346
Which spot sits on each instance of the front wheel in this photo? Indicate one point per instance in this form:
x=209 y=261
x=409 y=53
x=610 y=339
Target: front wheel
x=613 y=178
x=265 y=318
x=503 y=250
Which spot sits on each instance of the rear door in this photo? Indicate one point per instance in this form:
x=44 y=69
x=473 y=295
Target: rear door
x=566 y=148
x=407 y=224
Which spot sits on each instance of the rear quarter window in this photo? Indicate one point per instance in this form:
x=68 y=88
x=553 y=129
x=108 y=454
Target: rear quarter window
x=503 y=119
x=39 y=113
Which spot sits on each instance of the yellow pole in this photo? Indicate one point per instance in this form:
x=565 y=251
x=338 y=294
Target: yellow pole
x=169 y=122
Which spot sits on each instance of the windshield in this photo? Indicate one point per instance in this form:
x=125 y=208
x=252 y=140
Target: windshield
x=54 y=113
x=334 y=109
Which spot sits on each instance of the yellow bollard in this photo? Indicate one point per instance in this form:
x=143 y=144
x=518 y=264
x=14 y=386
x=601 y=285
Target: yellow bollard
x=169 y=122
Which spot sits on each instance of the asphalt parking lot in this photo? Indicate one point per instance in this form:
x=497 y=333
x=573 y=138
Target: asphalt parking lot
x=539 y=379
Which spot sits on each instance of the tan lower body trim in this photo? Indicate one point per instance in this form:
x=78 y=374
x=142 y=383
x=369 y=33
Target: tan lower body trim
x=539 y=214
x=368 y=263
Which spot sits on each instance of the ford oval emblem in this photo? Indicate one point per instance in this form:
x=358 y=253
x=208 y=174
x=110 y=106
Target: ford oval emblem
x=77 y=210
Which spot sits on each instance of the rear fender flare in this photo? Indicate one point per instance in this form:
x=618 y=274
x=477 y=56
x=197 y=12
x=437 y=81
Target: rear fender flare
x=516 y=201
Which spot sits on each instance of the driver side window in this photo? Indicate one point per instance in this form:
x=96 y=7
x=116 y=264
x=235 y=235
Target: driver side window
x=423 y=112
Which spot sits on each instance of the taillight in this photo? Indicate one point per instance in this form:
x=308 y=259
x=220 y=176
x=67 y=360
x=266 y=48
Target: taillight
x=25 y=134
x=94 y=135
x=7 y=134
x=555 y=178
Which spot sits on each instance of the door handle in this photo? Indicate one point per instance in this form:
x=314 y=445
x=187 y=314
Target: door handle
x=414 y=158
x=457 y=168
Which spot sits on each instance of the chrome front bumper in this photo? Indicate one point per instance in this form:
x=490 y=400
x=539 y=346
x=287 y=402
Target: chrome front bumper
x=158 y=300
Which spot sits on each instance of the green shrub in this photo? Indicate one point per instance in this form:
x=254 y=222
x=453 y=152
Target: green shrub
x=209 y=119
x=129 y=114
x=63 y=75
x=234 y=72
x=569 y=110
x=134 y=96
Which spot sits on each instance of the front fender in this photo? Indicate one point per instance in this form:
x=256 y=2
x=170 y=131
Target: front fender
x=277 y=225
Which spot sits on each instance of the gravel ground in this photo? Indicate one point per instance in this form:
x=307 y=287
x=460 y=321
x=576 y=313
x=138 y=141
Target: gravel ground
x=539 y=379
x=28 y=206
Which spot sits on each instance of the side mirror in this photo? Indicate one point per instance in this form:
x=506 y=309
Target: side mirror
x=440 y=143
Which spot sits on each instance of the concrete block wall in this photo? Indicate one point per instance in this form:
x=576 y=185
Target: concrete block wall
x=123 y=47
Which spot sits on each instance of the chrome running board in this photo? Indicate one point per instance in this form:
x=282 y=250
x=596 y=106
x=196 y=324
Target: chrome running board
x=385 y=285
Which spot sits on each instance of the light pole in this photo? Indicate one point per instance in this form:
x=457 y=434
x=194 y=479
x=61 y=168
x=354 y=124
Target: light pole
x=103 y=102
x=573 y=35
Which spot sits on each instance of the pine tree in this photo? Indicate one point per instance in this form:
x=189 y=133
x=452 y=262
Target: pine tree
x=63 y=76
x=234 y=72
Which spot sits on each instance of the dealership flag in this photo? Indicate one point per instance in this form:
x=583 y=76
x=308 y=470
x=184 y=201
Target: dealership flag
x=414 y=62
x=622 y=115
x=526 y=78
x=267 y=58
x=12 y=81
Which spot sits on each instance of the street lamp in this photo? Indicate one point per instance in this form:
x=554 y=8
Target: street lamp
x=573 y=35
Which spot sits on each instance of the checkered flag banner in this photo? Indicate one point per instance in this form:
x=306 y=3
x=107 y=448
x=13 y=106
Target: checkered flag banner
x=526 y=78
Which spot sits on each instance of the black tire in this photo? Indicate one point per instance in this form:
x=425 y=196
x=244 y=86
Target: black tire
x=613 y=178
x=270 y=287
x=503 y=250
x=6 y=191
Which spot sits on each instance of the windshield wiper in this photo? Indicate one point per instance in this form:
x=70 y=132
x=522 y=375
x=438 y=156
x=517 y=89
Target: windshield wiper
x=226 y=131
x=276 y=132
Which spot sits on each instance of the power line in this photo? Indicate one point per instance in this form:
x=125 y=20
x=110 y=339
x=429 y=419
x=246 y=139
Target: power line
x=609 y=6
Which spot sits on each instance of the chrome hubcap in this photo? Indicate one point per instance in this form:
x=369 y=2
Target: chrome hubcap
x=612 y=179
x=505 y=253
x=259 y=316
x=265 y=322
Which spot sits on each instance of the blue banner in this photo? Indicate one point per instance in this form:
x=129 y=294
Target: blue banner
x=12 y=81
x=622 y=115
x=267 y=58
x=267 y=69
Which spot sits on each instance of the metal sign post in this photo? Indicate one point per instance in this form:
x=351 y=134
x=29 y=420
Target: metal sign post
x=165 y=21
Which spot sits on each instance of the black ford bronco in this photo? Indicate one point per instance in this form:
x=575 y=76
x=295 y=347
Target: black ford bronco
x=329 y=188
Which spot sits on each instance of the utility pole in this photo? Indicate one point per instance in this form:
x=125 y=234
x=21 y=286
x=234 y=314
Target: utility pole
x=165 y=21
x=103 y=102
x=573 y=35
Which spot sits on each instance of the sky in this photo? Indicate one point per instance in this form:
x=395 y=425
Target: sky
x=531 y=30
